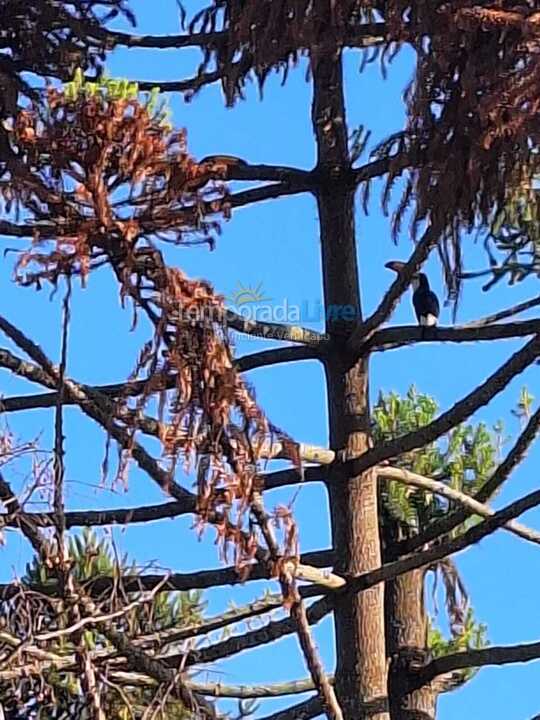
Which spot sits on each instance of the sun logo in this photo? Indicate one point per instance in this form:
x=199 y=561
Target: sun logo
x=244 y=295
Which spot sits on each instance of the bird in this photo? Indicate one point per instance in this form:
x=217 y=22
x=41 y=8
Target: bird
x=425 y=302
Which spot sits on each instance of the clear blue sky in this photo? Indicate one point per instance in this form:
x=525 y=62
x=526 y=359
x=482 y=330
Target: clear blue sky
x=276 y=244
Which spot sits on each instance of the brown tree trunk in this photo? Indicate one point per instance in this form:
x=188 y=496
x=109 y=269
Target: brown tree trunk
x=406 y=637
x=361 y=672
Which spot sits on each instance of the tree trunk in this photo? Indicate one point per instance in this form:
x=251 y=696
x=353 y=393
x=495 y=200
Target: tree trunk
x=406 y=637
x=361 y=672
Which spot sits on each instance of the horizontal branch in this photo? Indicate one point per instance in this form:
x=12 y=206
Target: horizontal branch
x=494 y=655
x=219 y=690
x=392 y=337
x=150 y=513
x=305 y=710
x=439 y=488
x=453 y=417
x=133 y=388
x=357 y=36
x=266 y=173
x=199 y=580
x=275 y=331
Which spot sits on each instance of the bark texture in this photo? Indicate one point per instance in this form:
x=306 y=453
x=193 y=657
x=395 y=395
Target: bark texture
x=361 y=672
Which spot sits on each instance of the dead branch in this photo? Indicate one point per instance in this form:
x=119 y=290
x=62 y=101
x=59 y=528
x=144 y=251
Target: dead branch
x=291 y=597
x=275 y=331
x=449 y=547
x=305 y=710
x=149 y=513
x=137 y=387
x=199 y=580
x=503 y=314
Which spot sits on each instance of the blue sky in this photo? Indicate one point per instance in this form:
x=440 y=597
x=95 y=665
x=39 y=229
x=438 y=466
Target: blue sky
x=276 y=244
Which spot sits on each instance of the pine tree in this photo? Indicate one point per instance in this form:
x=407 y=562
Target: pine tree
x=96 y=176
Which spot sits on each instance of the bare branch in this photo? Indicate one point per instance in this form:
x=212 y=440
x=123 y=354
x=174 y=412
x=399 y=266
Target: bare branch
x=301 y=711
x=494 y=655
x=393 y=337
x=218 y=690
x=457 y=414
x=439 y=488
x=135 y=387
x=199 y=580
x=290 y=593
x=293 y=687
x=275 y=331
x=470 y=537
x=149 y=513
x=503 y=314
x=487 y=491
x=254 y=638
x=358 y=36
x=139 y=660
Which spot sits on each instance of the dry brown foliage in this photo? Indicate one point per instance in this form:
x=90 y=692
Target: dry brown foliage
x=104 y=179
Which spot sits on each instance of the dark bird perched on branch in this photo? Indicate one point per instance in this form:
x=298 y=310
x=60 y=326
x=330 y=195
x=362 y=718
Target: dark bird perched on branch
x=425 y=302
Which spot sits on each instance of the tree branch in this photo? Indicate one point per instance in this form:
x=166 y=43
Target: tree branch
x=393 y=337
x=503 y=314
x=457 y=414
x=495 y=655
x=305 y=710
x=275 y=331
x=438 y=552
x=471 y=505
x=199 y=580
x=487 y=491
x=148 y=513
x=262 y=636
x=133 y=387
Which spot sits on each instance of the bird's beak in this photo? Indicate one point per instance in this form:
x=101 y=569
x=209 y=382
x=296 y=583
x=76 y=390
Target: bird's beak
x=395 y=265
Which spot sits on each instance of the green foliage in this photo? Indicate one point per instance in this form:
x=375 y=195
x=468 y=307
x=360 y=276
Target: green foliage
x=513 y=241
x=108 y=88
x=117 y=89
x=463 y=459
x=93 y=557
x=473 y=636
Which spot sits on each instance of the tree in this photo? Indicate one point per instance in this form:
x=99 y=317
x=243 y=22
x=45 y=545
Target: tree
x=164 y=617
x=101 y=180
